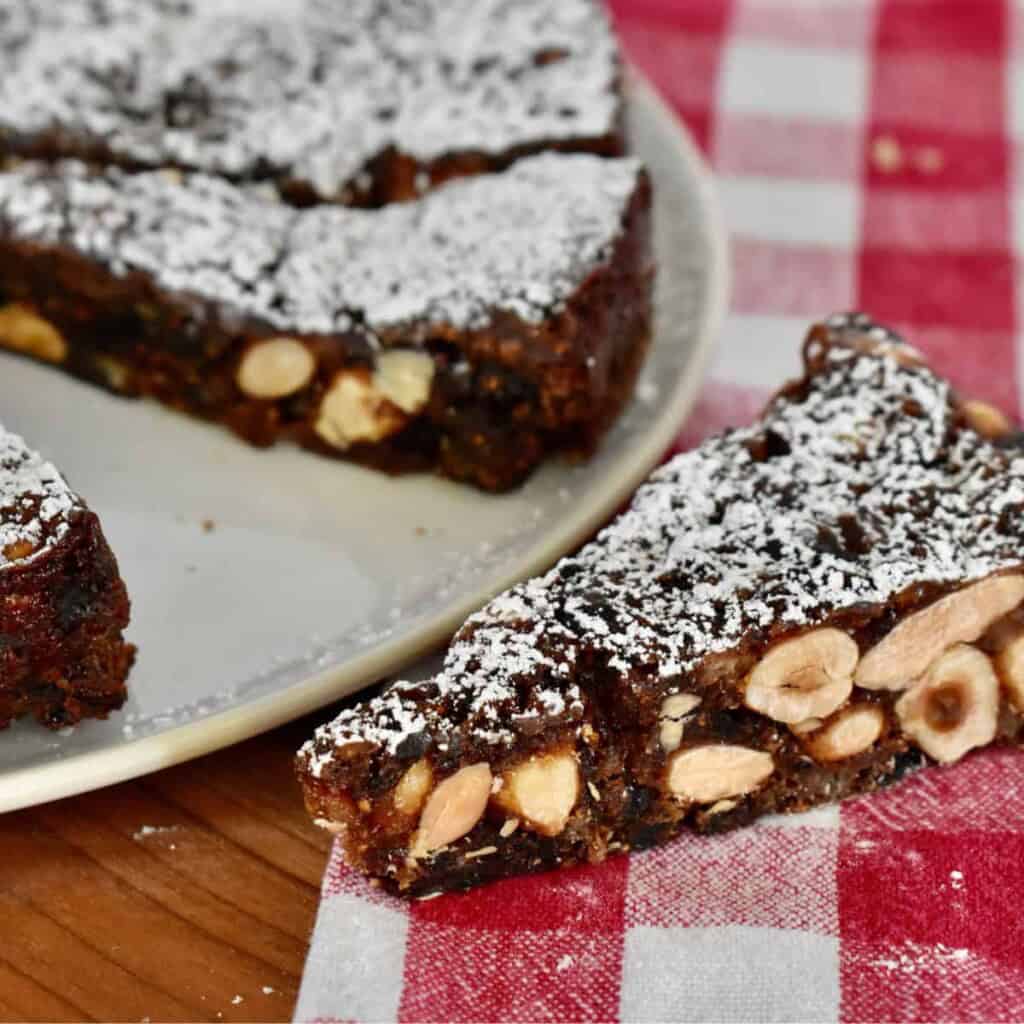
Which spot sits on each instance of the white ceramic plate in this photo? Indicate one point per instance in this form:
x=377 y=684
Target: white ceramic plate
x=318 y=578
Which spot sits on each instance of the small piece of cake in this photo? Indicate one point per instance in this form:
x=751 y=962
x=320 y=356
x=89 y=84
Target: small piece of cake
x=358 y=101
x=475 y=331
x=796 y=611
x=63 y=605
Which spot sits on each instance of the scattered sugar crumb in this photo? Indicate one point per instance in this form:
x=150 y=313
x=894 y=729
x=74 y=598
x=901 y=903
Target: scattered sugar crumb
x=564 y=963
x=956 y=879
x=914 y=955
x=886 y=154
x=145 y=831
x=268 y=990
x=237 y=999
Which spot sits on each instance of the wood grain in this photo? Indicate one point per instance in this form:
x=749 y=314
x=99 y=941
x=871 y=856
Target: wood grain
x=188 y=895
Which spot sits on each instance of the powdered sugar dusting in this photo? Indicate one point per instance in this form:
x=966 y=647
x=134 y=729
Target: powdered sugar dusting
x=305 y=90
x=911 y=957
x=851 y=488
x=517 y=243
x=35 y=502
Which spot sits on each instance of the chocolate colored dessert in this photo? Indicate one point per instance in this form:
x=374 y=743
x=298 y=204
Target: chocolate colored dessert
x=359 y=101
x=795 y=612
x=63 y=605
x=476 y=330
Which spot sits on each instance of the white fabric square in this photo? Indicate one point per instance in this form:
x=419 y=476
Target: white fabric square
x=356 y=961
x=734 y=973
x=761 y=78
x=1015 y=73
x=783 y=210
x=1017 y=210
x=758 y=351
x=1015 y=92
x=826 y=817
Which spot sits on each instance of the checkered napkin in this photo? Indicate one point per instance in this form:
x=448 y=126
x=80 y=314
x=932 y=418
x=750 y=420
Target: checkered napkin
x=867 y=157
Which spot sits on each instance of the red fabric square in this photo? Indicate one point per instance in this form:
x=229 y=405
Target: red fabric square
x=921 y=219
x=972 y=289
x=783 y=147
x=466 y=974
x=792 y=280
x=530 y=949
x=948 y=27
x=700 y=125
x=707 y=16
x=955 y=93
x=929 y=924
x=974 y=794
x=961 y=94
x=587 y=898
x=764 y=876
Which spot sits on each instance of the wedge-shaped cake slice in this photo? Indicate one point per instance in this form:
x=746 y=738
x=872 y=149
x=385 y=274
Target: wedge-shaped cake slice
x=360 y=101
x=496 y=321
x=795 y=612
x=63 y=605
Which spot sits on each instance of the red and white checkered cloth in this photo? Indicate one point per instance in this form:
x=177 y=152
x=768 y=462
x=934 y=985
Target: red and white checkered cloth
x=867 y=156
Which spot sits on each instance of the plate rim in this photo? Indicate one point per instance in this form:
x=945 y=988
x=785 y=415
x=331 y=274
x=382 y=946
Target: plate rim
x=96 y=769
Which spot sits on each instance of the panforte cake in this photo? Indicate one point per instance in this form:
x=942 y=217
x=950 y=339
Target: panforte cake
x=63 y=605
x=476 y=330
x=797 y=611
x=356 y=101
x=177 y=184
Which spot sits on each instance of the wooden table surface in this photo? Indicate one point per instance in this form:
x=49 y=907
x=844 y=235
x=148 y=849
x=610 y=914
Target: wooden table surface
x=185 y=895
